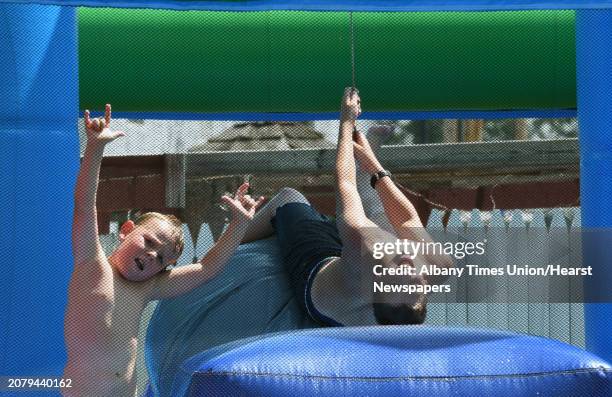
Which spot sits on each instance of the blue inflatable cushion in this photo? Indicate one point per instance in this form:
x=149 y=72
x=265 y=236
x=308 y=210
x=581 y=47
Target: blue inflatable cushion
x=394 y=361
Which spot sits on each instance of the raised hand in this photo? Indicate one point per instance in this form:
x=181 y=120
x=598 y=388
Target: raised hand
x=98 y=129
x=350 y=108
x=242 y=205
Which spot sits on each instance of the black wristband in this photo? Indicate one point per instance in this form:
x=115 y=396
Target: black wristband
x=378 y=176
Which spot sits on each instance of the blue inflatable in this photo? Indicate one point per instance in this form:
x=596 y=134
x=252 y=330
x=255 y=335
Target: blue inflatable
x=394 y=361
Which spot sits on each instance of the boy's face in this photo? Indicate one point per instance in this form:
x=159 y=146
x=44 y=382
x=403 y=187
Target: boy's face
x=145 y=249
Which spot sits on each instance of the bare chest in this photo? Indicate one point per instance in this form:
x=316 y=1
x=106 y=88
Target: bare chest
x=101 y=324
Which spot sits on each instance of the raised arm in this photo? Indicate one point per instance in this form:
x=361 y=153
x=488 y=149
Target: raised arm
x=85 y=243
x=185 y=278
x=349 y=207
x=399 y=209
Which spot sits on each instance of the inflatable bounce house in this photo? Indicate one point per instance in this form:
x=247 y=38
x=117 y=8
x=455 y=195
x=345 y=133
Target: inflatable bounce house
x=289 y=60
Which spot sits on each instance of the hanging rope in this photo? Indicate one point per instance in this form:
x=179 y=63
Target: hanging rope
x=410 y=191
x=353 y=86
x=352 y=51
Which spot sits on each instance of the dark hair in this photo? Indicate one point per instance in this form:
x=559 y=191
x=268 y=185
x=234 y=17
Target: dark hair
x=396 y=314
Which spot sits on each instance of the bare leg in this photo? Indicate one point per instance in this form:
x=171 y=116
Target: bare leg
x=261 y=226
x=372 y=205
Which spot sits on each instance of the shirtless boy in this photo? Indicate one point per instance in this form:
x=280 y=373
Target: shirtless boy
x=108 y=294
x=330 y=263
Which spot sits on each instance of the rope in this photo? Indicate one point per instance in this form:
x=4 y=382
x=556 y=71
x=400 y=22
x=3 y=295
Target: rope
x=353 y=86
x=352 y=51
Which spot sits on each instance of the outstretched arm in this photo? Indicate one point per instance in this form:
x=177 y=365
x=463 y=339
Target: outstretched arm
x=185 y=278
x=349 y=207
x=85 y=243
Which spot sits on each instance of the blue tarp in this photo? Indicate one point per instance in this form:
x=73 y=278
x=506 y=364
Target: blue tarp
x=338 y=5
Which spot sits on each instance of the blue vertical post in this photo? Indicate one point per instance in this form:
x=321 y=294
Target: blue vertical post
x=39 y=158
x=594 y=80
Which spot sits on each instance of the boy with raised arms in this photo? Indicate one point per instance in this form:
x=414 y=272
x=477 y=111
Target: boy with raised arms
x=108 y=294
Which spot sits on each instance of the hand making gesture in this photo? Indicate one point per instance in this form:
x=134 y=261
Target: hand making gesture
x=98 y=129
x=242 y=205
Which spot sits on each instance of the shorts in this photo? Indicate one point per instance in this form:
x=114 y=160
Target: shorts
x=308 y=240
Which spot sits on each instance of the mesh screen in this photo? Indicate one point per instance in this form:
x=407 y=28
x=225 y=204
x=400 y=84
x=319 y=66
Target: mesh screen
x=438 y=91
x=262 y=142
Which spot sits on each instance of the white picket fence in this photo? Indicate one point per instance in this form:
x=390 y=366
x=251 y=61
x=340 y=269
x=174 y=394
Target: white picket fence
x=514 y=237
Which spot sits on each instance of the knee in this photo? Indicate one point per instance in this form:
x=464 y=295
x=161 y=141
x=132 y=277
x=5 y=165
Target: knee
x=288 y=195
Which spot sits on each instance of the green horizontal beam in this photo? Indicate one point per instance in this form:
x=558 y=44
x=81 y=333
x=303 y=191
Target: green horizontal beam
x=291 y=61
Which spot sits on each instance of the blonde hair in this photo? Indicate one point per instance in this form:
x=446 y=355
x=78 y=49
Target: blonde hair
x=177 y=234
